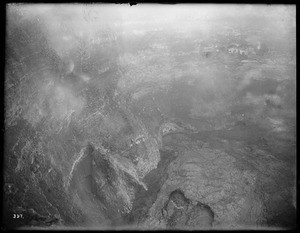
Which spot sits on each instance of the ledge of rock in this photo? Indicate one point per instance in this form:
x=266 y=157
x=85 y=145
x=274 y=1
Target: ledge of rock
x=180 y=212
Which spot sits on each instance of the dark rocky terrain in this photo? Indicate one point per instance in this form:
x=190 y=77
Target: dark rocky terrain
x=116 y=118
x=180 y=212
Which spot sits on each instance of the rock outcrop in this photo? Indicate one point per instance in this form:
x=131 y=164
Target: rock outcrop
x=210 y=177
x=180 y=212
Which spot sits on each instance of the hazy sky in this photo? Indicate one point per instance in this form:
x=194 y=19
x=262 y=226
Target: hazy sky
x=106 y=12
x=65 y=23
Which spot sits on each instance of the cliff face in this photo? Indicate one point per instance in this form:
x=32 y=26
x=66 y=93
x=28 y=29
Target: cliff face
x=66 y=144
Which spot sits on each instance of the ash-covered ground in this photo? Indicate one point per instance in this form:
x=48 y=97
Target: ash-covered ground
x=150 y=117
